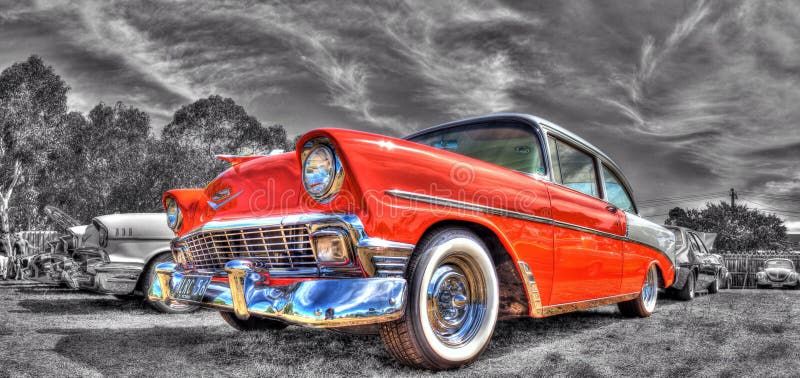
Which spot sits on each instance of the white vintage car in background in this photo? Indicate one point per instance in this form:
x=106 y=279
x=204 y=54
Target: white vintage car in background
x=116 y=254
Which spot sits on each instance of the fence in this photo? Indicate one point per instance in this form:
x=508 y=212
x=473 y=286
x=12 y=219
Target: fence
x=39 y=239
x=743 y=268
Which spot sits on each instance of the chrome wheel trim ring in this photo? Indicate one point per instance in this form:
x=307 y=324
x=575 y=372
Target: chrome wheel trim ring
x=650 y=289
x=457 y=329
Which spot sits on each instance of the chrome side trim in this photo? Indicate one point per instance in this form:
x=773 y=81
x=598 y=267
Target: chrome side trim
x=467 y=206
x=534 y=299
x=583 y=305
x=383 y=258
x=653 y=243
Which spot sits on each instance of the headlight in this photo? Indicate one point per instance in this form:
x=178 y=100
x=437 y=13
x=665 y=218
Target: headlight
x=322 y=171
x=174 y=214
x=102 y=238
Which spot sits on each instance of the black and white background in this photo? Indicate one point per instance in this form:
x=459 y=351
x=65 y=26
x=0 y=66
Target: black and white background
x=691 y=98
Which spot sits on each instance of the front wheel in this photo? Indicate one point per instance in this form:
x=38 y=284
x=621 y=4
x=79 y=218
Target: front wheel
x=251 y=324
x=452 y=303
x=643 y=305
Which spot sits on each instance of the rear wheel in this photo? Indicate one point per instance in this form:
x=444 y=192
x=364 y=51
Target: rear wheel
x=149 y=276
x=687 y=292
x=452 y=303
x=714 y=288
x=251 y=324
x=643 y=305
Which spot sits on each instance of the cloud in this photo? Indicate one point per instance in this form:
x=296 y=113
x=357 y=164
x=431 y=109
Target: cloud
x=463 y=79
x=687 y=99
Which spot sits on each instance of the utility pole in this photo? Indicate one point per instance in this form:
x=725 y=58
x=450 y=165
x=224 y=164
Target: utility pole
x=734 y=196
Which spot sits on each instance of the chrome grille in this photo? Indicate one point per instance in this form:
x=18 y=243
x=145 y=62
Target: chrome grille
x=274 y=247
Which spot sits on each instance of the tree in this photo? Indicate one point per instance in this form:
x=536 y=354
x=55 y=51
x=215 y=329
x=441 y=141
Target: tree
x=738 y=228
x=184 y=157
x=218 y=125
x=32 y=102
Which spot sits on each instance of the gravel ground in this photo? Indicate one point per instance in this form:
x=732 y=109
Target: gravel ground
x=47 y=331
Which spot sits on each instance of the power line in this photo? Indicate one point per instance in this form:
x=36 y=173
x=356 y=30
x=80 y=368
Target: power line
x=668 y=203
x=779 y=197
x=683 y=197
x=769 y=209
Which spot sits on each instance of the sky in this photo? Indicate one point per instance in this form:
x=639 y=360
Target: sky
x=690 y=98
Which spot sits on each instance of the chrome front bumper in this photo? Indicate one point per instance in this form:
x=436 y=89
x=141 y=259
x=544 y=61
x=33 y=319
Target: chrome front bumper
x=316 y=303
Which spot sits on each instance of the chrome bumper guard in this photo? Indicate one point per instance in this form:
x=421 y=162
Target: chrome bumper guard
x=316 y=303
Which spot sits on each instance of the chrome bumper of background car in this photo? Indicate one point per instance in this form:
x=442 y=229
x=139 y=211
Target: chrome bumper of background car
x=116 y=278
x=317 y=303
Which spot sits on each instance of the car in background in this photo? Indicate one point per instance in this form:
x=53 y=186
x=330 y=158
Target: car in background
x=696 y=268
x=116 y=254
x=726 y=278
x=53 y=264
x=778 y=273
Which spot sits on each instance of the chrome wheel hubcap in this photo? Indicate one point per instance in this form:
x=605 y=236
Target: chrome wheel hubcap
x=650 y=290
x=456 y=300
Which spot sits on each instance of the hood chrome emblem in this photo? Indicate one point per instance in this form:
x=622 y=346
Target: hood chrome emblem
x=223 y=195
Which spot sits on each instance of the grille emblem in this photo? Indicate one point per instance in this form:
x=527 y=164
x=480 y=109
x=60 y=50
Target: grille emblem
x=223 y=195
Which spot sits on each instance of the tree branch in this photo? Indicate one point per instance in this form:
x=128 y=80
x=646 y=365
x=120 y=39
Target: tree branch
x=14 y=181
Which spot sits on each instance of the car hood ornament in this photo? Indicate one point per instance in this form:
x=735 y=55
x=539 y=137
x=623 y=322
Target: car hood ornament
x=222 y=197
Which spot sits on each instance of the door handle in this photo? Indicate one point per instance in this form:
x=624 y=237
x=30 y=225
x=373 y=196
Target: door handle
x=611 y=208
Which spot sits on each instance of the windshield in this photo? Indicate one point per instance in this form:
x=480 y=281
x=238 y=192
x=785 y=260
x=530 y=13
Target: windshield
x=507 y=144
x=779 y=264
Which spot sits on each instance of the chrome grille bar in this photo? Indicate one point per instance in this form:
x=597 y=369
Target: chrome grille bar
x=276 y=247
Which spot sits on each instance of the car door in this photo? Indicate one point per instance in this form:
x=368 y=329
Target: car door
x=587 y=245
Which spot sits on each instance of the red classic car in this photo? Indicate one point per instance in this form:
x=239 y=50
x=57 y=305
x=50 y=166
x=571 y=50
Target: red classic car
x=426 y=240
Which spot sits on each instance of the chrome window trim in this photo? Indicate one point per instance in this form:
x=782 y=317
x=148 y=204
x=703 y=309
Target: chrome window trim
x=600 y=188
x=434 y=200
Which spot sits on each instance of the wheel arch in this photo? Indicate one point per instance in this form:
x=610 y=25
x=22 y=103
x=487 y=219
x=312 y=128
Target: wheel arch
x=149 y=260
x=514 y=300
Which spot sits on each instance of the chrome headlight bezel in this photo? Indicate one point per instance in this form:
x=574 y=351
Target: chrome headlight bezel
x=174 y=214
x=321 y=148
x=102 y=234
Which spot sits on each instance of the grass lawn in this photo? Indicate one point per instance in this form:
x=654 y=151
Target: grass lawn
x=56 y=332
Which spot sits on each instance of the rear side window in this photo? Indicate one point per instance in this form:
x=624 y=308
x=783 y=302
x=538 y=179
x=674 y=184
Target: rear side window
x=508 y=144
x=616 y=192
x=694 y=247
x=700 y=244
x=678 y=237
x=573 y=168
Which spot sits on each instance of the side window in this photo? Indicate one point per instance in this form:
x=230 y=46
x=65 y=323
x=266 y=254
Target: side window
x=511 y=145
x=616 y=192
x=573 y=168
